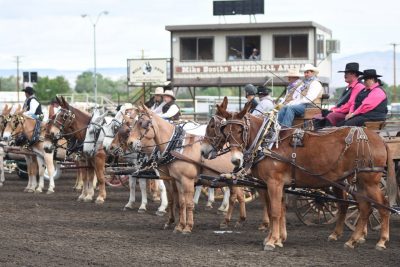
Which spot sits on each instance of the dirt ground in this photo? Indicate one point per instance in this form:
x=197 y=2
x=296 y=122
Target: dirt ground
x=56 y=230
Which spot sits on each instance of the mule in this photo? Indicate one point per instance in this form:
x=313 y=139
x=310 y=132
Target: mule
x=4 y=117
x=118 y=150
x=21 y=128
x=71 y=123
x=151 y=130
x=317 y=160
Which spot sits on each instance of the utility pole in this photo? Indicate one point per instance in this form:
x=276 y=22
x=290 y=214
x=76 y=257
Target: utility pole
x=394 y=98
x=143 y=98
x=18 y=61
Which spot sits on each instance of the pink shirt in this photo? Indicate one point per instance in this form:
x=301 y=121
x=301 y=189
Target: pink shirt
x=345 y=108
x=375 y=97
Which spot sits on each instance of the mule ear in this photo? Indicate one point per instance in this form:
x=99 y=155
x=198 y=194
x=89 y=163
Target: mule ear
x=224 y=103
x=244 y=110
x=58 y=101
x=65 y=103
x=5 y=108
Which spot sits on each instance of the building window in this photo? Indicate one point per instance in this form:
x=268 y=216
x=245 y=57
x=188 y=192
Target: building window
x=242 y=47
x=197 y=48
x=320 y=46
x=291 y=46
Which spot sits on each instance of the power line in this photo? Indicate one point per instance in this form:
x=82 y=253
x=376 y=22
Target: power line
x=394 y=98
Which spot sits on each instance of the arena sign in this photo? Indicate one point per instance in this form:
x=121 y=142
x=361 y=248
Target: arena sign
x=253 y=68
x=147 y=70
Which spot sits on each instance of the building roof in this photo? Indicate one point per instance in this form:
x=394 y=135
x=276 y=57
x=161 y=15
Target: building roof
x=247 y=26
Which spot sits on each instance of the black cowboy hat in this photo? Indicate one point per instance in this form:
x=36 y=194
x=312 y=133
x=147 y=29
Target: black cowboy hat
x=352 y=67
x=370 y=73
x=261 y=90
x=28 y=90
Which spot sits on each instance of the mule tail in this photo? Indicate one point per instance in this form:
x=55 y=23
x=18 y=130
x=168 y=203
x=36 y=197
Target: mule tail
x=391 y=182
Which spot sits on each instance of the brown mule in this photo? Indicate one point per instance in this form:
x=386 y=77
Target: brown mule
x=150 y=129
x=322 y=160
x=70 y=122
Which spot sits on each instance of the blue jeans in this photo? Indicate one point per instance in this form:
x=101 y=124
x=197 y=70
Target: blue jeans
x=287 y=113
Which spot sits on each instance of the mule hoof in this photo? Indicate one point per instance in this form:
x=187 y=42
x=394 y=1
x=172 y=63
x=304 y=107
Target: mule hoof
x=49 y=192
x=186 y=231
x=38 y=191
x=26 y=190
x=348 y=245
x=30 y=191
x=141 y=211
x=380 y=247
x=361 y=240
x=156 y=199
x=99 y=201
x=177 y=230
x=87 y=200
x=269 y=247
x=332 y=237
x=1 y=184
x=160 y=213
x=127 y=208
x=279 y=244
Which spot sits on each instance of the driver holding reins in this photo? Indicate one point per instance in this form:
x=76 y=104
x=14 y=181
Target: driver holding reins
x=31 y=106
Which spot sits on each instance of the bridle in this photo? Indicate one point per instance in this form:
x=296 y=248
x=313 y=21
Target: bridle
x=63 y=119
x=4 y=119
x=221 y=136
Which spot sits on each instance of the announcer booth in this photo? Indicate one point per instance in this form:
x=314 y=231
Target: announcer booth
x=221 y=54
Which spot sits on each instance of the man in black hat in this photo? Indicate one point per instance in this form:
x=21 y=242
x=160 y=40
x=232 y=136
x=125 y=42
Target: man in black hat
x=32 y=106
x=266 y=102
x=370 y=104
x=346 y=100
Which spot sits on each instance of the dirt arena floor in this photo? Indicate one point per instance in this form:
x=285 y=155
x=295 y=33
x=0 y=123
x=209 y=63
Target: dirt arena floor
x=56 y=230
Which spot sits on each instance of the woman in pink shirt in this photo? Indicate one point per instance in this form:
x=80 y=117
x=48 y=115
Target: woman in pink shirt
x=370 y=103
x=346 y=100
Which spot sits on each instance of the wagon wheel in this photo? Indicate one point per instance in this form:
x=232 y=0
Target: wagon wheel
x=315 y=210
x=353 y=214
x=249 y=193
x=117 y=180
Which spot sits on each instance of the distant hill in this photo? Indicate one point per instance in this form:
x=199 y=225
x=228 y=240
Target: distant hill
x=381 y=61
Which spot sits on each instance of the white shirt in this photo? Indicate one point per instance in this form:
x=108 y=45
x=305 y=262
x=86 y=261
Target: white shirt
x=313 y=92
x=33 y=105
x=158 y=109
x=266 y=104
x=172 y=111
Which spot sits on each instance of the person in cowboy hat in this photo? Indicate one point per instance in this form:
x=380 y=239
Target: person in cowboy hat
x=250 y=91
x=31 y=106
x=266 y=102
x=309 y=94
x=170 y=110
x=156 y=101
x=370 y=103
x=346 y=100
x=293 y=76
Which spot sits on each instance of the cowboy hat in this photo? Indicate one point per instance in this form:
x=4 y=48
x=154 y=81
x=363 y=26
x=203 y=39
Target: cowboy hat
x=28 y=90
x=352 y=67
x=311 y=67
x=158 y=91
x=261 y=90
x=293 y=73
x=169 y=93
x=370 y=73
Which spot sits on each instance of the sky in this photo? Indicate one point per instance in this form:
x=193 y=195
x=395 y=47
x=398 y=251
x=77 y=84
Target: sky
x=52 y=34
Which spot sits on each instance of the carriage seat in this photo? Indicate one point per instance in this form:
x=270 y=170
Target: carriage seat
x=374 y=125
x=306 y=121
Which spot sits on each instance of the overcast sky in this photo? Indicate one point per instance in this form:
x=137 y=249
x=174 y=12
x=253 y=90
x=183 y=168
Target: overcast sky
x=52 y=34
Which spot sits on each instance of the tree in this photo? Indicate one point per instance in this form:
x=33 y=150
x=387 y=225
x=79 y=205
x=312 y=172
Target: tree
x=84 y=84
x=8 y=84
x=47 y=88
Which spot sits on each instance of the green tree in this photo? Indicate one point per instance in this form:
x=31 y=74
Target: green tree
x=8 y=84
x=47 y=88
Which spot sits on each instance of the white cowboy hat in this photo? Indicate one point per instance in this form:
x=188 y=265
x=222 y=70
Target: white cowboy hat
x=158 y=91
x=311 y=67
x=293 y=73
x=169 y=93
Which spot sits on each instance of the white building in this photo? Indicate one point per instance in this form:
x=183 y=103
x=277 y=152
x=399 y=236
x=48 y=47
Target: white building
x=218 y=54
